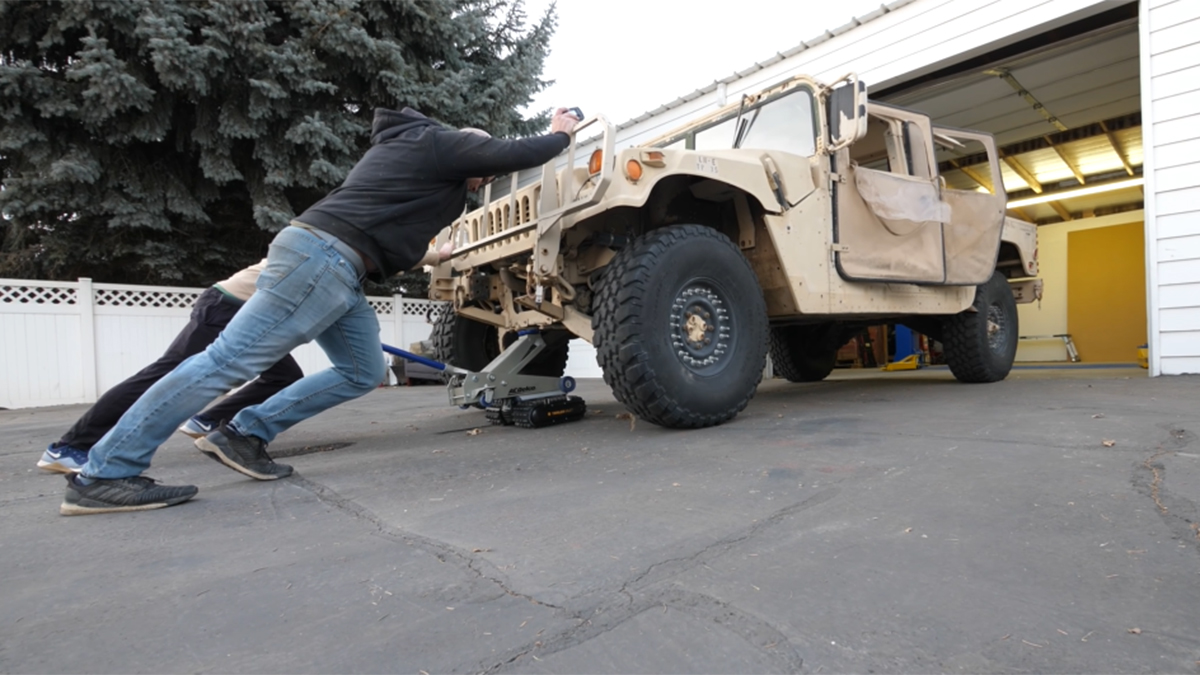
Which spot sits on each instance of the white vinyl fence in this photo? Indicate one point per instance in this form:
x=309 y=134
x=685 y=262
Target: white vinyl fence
x=69 y=342
x=64 y=342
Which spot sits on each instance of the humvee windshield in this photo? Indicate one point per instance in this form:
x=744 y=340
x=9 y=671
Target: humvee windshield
x=784 y=124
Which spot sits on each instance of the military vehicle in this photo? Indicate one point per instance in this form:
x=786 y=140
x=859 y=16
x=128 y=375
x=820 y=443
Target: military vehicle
x=783 y=223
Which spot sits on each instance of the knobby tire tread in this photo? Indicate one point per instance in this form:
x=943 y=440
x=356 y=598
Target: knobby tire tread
x=618 y=307
x=965 y=336
x=790 y=346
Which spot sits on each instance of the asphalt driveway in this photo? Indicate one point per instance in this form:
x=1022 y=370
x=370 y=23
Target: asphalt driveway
x=876 y=522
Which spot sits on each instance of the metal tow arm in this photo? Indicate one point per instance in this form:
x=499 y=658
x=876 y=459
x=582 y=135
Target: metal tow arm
x=501 y=380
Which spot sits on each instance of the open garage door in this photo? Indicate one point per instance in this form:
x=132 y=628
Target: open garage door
x=1065 y=109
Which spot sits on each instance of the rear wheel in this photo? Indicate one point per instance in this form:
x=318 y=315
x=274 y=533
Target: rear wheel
x=981 y=343
x=804 y=353
x=680 y=327
x=472 y=345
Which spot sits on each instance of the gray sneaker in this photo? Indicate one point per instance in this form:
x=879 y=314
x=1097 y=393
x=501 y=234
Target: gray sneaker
x=110 y=495
x=245 y=454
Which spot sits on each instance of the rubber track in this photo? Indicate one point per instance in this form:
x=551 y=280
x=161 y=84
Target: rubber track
x=967 y=353
x=617 y=309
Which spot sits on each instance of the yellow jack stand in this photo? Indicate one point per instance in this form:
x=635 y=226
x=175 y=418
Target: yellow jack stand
x=907 y=363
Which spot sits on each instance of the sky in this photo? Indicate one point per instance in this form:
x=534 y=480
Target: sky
x=625 y=57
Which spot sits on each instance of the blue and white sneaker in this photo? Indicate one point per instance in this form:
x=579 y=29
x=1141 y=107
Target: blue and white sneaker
x=198 y=426
x=62 y=458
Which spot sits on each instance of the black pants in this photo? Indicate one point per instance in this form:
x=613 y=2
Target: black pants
x=210 y=315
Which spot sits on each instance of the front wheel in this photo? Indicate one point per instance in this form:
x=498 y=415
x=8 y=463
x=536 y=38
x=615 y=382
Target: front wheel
x=680 y=327
x=981 y=343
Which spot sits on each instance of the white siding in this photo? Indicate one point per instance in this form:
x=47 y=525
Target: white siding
x=1182 y=365
x=1170 y=46
x=1176 y=154
x=1178 y=295
x=912 y=39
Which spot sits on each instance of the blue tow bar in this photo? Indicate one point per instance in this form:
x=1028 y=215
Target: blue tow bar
x=396 y=351
x=529 y=402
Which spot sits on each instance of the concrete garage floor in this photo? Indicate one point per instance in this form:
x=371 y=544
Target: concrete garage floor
x=875 y=522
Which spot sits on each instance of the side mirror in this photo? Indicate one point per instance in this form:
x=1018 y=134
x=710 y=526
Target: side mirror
x=846 y=110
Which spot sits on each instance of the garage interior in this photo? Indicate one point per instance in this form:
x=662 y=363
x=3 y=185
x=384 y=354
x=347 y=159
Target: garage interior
x=1065 y=108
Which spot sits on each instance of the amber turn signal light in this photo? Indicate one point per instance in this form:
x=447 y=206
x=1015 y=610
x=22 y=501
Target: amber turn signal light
x=595 y=162
x=633 y=169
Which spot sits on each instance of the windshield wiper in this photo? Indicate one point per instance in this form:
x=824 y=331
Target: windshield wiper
x=739 y=127
x=744 y=126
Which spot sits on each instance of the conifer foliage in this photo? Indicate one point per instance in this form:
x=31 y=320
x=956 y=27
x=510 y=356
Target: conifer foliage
x=165 y=141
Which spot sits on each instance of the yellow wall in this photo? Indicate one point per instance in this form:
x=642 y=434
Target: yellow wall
x=1050 y=317
x=1106 y=292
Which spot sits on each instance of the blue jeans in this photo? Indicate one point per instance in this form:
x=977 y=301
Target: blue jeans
x=308 y=291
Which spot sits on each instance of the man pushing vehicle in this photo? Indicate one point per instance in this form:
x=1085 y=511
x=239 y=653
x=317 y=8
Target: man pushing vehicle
x=410 y=184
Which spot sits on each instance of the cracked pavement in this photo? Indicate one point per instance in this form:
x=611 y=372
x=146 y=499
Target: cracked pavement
x=886 y=522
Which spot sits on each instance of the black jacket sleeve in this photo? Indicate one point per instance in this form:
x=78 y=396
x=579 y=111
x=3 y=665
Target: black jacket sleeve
x=460 y=155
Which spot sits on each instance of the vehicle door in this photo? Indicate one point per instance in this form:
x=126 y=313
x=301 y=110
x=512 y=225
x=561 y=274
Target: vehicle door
x=888 y=210
x=975 y=201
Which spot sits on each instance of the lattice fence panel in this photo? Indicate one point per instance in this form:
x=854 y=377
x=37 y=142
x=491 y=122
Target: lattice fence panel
x=423 y=308
x=382 y=306
x=38 y=295
x=116 y=297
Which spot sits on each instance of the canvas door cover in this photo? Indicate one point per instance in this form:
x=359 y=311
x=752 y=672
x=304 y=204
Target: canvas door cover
x=906 y=229
x=890 y=228
x=972 y=235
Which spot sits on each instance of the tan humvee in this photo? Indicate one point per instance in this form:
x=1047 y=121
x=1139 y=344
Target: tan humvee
x=784 y=223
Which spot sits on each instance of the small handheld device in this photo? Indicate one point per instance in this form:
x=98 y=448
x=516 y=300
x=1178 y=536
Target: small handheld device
x=576 y=112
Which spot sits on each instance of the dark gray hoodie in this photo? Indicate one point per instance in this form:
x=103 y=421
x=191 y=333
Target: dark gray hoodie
x=412 y=182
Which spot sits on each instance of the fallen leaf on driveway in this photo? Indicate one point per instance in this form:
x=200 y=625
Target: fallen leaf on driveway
x=1109 y=444
x=1135 y=631
x=628 y=416
x=475 y=432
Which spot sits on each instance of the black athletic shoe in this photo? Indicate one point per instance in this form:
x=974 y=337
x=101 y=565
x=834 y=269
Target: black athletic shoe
x=245 y=454
x=109 y=495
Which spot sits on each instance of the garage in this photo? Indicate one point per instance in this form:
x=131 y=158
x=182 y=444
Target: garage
x=1075 y=93
x=1065 y=108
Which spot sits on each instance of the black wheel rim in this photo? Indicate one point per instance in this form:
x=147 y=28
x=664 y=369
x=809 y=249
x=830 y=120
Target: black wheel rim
x=702 y=327
x=997 y=329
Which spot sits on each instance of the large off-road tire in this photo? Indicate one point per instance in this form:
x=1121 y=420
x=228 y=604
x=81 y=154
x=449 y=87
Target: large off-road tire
x=804 y=353
x=472 y=345
x=980 y=345
x=680 y=327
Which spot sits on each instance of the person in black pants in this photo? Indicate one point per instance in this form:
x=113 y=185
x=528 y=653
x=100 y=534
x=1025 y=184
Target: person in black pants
x=211 y=313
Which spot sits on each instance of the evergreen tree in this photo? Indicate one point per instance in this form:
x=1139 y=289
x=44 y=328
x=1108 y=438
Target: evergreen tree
x=166 y=141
